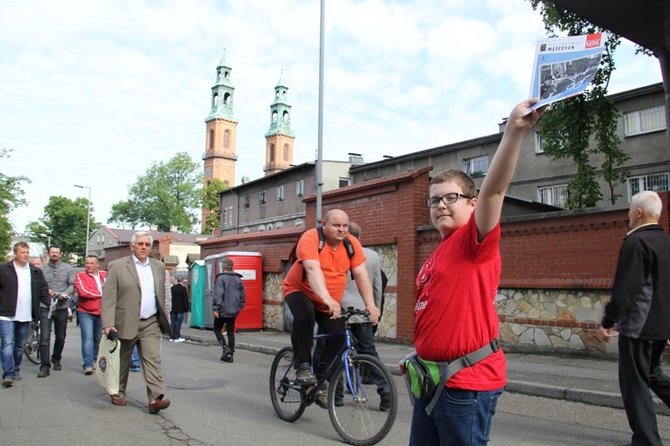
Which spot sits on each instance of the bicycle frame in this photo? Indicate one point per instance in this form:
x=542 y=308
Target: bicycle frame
x=344 y=352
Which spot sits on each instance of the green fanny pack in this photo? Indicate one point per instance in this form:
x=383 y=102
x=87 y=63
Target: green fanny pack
x=426 y=379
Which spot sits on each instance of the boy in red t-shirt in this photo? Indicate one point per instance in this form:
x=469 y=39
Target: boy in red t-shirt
x=456 y=288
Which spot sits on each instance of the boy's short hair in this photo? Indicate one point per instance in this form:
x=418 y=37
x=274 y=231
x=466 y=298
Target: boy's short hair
x=459 y=177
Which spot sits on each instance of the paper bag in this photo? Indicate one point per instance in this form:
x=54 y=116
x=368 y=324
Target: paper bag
x=108 y=365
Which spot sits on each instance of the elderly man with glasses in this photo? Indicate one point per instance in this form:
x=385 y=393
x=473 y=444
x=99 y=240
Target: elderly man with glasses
x=133 y=308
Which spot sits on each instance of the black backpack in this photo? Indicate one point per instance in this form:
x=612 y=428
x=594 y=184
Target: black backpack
x=293 y=256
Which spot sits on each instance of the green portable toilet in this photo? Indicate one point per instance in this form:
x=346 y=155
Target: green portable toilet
x=197 y=284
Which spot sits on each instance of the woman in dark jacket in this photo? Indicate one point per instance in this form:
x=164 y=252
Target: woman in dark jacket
x=228 y=301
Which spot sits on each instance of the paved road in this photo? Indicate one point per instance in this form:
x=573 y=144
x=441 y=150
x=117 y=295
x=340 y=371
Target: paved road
x=214 y=403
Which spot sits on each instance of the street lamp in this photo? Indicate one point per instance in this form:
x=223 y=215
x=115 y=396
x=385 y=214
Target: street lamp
x=88 y=217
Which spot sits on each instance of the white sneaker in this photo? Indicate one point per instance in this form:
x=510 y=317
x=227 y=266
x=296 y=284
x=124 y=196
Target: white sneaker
x=171 y=340
x=180 y=340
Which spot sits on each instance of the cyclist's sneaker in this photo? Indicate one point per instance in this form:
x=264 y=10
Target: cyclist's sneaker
x=322 y=396
x=304 y=374
x=385 y=402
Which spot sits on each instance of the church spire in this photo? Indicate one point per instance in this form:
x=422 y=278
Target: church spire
x=279 y=138
x=219 y=157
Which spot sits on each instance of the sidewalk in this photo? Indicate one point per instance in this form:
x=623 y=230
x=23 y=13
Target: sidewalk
x=572 y=378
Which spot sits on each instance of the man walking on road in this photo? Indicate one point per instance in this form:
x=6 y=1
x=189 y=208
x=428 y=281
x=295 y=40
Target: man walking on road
x=133 y=305
x=60 y=277
x=89 y=285
x=640 y=305
x=179 y=308
x=22 y=288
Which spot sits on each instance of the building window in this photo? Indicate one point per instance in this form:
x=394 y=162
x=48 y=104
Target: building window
x=553 y=195
x=300 y=188
x=285 y=152
x=274 y=117
x=476 y=166
x=280 y=193
x=539 y=144
x=658 y=182
x=647 y=120
x=225 y=217
x=230 y=216
x=344 y=182
x=211 y=139
x=261 y=198
x=272 y=153
x=226 y=139
x=247 y=202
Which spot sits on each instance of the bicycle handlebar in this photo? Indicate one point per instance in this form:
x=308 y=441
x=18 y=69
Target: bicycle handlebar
x=348 y=312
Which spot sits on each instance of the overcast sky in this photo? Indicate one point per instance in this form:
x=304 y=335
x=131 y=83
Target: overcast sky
x=92 y=92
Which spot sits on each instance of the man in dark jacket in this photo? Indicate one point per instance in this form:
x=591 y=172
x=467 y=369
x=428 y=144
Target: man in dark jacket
x=640 y=306
x=229 y=297
x=179 y=308
x=22 y=288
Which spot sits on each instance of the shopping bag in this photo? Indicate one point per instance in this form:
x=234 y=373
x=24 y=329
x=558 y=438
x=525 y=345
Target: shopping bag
x=108 y=365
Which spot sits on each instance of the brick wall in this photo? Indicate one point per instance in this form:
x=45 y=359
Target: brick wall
x=569 y=250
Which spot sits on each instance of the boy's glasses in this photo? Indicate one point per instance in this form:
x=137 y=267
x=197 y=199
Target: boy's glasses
x=449 y=198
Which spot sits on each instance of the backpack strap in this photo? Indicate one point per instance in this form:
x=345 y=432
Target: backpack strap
x=322 y=243
x=449 y=369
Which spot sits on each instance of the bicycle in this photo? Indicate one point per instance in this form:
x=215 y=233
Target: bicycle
x=32 y=347
x=353 y=399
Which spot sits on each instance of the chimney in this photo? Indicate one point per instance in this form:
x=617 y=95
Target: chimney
x=356 y=158
x=502 y=125
x=153 y=228
x=173 y=229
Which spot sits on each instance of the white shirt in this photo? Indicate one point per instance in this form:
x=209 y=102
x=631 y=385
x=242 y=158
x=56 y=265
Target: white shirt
x=24 y=295
x=149 y=307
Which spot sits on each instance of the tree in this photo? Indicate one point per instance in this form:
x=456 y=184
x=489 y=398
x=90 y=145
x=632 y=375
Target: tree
x=11 y=197
x=567 y=128
x=212 y=201
x=64 y=222
x=168 y=194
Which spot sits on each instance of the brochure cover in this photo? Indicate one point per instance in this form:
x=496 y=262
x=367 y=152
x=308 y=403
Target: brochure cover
x=564 y=66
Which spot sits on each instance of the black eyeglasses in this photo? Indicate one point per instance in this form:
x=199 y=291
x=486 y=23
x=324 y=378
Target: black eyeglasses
x=449 y=198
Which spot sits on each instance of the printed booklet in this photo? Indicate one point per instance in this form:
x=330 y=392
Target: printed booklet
x=565 y=66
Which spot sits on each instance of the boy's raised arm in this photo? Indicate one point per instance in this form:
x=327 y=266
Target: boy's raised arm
x=499 y=175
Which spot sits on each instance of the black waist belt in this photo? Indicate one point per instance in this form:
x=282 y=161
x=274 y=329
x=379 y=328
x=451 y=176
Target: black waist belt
x=147 y=318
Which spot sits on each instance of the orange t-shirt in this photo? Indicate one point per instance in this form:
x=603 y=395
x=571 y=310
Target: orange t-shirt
x=335 y=265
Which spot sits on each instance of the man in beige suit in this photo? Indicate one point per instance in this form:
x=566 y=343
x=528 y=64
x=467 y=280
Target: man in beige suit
x=133 y=306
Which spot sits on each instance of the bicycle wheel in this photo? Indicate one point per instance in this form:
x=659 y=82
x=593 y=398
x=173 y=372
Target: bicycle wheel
x=32 y=347
x=361 y=413
x=284 y=391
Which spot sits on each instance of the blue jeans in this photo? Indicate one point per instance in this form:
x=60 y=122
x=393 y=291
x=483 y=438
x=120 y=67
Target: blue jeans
x=91 y=332
x=13 y=336
x=460 y=418
x=135 y=358
x=176 y=319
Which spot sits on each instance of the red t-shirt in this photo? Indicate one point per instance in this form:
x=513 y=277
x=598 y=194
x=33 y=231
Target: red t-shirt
x=335 y=265
x=455 y=311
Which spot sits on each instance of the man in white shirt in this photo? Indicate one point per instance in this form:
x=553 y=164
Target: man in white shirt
x=133 y=306
x=22 y=288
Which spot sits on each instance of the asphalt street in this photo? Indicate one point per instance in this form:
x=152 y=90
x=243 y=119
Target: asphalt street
x=215 y=403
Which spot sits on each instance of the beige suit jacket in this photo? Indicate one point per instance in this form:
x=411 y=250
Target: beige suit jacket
x=122 y=297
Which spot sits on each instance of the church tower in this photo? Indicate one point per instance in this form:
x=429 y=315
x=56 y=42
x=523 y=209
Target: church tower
x=279 y=139
x=219 y=157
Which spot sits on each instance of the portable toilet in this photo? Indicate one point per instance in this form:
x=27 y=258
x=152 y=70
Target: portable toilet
x=249 y=265
x=197 y=284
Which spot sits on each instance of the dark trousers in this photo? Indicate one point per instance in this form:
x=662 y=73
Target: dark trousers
x=230 y=328
x=639 y=372
x=59 y=319
x=302 y=332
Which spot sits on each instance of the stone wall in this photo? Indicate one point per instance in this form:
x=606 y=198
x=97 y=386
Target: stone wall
x=552 y=320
